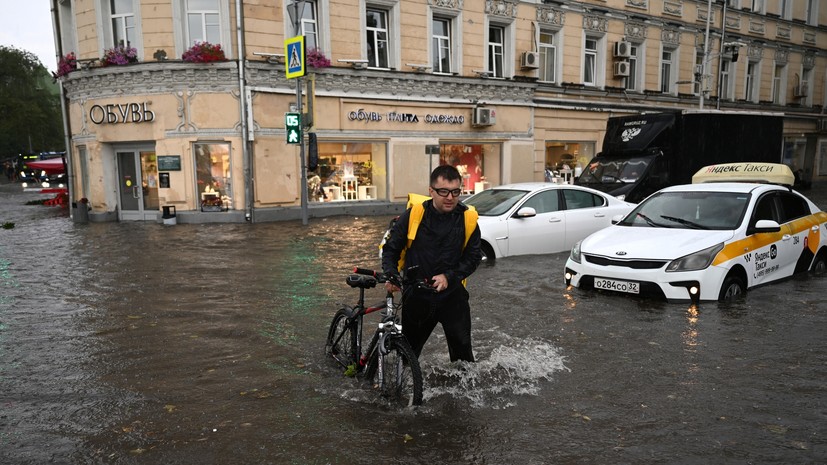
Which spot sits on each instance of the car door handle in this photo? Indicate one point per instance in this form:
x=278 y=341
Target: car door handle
x=555 y=220
x=815 y=228
x=786 y=237
x=599 y=215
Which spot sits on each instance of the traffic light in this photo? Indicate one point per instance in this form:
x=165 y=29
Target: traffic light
x=293 y=127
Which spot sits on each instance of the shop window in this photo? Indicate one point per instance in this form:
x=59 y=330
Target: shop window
x=349 y=171
x=477 y=163
x=565 y=159
x=212 y=171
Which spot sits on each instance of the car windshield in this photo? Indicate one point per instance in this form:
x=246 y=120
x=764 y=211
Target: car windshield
x=690 y=210
x=613 y=171
x=495 y=202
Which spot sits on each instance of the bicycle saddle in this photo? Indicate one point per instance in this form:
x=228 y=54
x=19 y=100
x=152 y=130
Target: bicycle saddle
x=361 y=281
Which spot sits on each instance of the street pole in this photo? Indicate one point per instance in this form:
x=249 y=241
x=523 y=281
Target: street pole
x=703 y=79
x=721 y=55
x=296 y=10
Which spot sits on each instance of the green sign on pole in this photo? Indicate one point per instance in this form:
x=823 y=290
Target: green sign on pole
x=293 y=127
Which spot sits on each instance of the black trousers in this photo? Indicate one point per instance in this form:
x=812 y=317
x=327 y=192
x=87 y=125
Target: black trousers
x=421 y=313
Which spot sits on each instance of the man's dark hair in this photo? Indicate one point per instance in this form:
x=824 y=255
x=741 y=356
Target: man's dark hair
x=446 y=172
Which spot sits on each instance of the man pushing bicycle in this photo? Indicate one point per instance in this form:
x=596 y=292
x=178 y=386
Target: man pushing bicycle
x=441 y=238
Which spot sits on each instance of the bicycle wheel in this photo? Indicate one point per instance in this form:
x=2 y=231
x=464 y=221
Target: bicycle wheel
x=401 y=381
x=341 y=341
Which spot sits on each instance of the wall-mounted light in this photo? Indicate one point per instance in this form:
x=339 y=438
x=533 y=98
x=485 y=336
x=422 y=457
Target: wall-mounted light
x=275 y=58
x=420 y=68
x=355 y=64
x=483 y=73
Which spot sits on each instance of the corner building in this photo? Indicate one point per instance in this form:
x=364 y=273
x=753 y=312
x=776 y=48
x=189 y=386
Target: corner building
x=502 y=89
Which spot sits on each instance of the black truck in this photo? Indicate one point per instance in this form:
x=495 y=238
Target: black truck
x=644 y=153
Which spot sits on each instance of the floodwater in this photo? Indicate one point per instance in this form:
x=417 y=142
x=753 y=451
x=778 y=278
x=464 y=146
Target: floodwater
x=132 y=343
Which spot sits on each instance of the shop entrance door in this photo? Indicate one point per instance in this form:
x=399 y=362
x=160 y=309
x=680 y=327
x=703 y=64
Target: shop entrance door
x=137 y=185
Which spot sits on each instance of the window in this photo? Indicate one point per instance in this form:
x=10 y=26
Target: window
x=309 y=27
x=441 y=62
x=667 y=70
x=377 y=38
x=548 y=57
x=203 y=22
x=212 y=174
x=725 y=83
x=751 y=84
x=697 y=77
x=784 y=9
x=793 y=207
x=758 y=6
x=123 y=22
x=478 y=164
x=778 y=85
x=349 y=171
x=544 y=202
x=811 y=15
x=632 y=80
x=590 y=62
x=581 y=199
x=496 y=51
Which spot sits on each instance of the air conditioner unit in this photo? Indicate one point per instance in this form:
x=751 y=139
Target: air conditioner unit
x=530 y=60
x=622 y=69
x=484 y=117
x=623 y=49
x=801 y=90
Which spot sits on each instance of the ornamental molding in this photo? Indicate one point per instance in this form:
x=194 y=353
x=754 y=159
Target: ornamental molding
x=634 y=30
x=755 y=52
x=448 y=4
x=733 y=22
x=670 y=36
x=642 y=4
x=551 y=16
x=782 y=56
x=808 y=61
x=757 y=27
x=783 y=31
x=673 y=8
x=595 y=24
x=702 y=15
x=504 y=8
x=809 y=37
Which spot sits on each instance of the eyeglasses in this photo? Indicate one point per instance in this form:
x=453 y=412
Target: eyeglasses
x=442 y=192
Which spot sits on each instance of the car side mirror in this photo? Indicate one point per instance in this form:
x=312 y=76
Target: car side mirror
x=765 y=226
x=526 y=212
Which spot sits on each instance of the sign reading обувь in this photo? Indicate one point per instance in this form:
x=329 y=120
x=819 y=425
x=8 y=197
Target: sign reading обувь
x=121 y=113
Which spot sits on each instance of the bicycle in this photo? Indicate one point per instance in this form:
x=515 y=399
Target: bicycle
x=389 y=359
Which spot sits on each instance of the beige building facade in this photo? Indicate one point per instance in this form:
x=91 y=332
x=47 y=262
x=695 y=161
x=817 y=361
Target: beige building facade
x=502 y=89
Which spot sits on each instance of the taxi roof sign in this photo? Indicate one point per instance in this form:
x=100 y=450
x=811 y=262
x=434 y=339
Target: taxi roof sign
x=763 y=173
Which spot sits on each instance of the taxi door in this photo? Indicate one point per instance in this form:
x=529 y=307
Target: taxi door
x=769 y=256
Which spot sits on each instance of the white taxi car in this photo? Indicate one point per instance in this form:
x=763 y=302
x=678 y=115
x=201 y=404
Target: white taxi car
x=710 y=240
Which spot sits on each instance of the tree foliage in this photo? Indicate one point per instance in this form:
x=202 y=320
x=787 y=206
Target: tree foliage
x=30 y=118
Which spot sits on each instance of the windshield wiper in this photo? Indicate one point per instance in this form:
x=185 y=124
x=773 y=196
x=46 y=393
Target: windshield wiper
x=684 y=222
x=611 y=176
x=649 y=221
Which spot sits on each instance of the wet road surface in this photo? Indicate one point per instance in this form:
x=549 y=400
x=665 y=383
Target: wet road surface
x=142 y=343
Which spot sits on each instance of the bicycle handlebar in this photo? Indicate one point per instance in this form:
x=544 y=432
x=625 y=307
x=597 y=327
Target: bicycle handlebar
x=397 y=279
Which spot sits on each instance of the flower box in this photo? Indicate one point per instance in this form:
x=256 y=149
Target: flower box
x=212 y=208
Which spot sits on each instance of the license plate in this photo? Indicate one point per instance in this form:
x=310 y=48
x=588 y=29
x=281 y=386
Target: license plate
x=618 y=286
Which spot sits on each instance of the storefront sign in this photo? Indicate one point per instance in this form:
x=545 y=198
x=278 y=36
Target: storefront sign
x=396 y=117
x=121 y=113
x=169 y=162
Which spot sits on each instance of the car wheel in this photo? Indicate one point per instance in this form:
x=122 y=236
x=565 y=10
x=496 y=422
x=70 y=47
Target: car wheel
x=733 y=287
x=487 y=253
x=819 y=264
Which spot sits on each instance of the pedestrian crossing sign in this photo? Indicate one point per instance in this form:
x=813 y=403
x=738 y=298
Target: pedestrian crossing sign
x=294 y=53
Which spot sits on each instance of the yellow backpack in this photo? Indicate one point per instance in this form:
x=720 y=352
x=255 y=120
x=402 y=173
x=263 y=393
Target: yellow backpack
x=416 y=203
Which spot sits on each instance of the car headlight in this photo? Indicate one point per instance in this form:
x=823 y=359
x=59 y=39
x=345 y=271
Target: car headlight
x=695 y=261
x=575 y=252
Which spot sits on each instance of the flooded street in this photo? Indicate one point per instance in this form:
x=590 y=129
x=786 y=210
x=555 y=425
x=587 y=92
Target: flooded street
x=133 y=343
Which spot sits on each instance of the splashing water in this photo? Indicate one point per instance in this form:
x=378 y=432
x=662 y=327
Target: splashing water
x=513 y=368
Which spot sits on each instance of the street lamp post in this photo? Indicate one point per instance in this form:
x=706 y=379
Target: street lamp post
x=296 y=10
x=703 y=78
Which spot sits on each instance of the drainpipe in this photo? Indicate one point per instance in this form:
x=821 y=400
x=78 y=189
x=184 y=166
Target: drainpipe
x=721 y=57
x=64 y=112
x=242 y=91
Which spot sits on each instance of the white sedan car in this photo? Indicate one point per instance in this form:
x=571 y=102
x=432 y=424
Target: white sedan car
x=707 y=241
x=540 y=218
